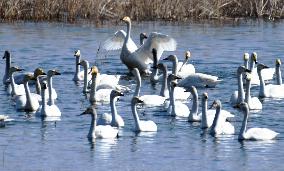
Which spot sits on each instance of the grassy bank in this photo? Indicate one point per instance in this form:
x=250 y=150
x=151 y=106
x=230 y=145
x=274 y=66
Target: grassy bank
x=140 y=10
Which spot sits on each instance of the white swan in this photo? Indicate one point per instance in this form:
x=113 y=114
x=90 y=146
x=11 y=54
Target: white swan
x=253 y=102
x=141 y=58
x=193 y=79
x=112 y=119
x=98 y=95
x=207 y=116
x=154 y=77
x=267 y=73
x=180 y=93
x=148 y=100
x=238 y=96
x=141 y=125
x=253 y=133
x=6 y=76
x=79 y=75
x=29 y=101
x=269 y=90
x=278 y=72
x=13 y=88
x=177 y=108
x=46 y=110
x=218 y=127
x=99 y=131
x=142 y=37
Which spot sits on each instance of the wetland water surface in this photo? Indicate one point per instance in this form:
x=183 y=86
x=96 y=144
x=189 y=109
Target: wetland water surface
x=28 y=143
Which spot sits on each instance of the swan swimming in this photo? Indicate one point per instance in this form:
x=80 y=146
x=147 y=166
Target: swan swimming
x=148 y=100
x=3 y=120
x=27 y=102
x=253 y=102
x=141 y=57
x=218 y=127
x=46 y=110
x=238 y=96
x=267 y=73
x=79 y=75
x=278 y=72
x=269 y=90
x=7 y=56
x=141 y=125
x=113 y=119
x=99 y=131
x=253 y=133
x=13 y=88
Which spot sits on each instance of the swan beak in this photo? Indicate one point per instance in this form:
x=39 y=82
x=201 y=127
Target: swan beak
x=177 y=77
x=43 y=73
x=256 y=62
x=166 y=59
x=90 y=71
x=19 y=69
x=84 y=113
x=57 y=73
x=266 y=66
x=4 y=57
x=154 y=67
x=79 y=63
x=121 y=94
x=247 y=70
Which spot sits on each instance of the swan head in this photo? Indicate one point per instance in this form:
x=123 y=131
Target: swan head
x=261 y=66
x=172 y=77
x=28 y=77
x=53 y=72
x=77 y=53
x=126 y=19
x=187 y=55
x=161 y=66
x=205 y=96
x=242 y=69
x=171 y=58
x=94 y=70
x=44 y=85
x=91 y=111
x=143 y=36
x=246 y=56
x=38 y=72
x=173 y=84
x=254 y=57
x=136 y=100
x=115 y=93
x=14 y=69
x=216 y=104
x=6 y=54
x=278 y=62
x=191 y=89
x=244 y=107
x=248 y=76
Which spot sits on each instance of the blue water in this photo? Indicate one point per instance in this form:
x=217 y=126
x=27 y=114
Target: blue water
x=28 y=143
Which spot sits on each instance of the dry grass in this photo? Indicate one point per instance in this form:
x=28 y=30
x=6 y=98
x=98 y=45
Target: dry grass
x=140 y=10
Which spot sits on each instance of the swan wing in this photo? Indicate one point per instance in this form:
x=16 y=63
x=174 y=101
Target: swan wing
x=160 y=42
x=153 y=100
x=106 y=131
x=275 y=90
x=116 y=42
x=148 y=126
x=260 y=134
x=105 y=119
x=199 y=80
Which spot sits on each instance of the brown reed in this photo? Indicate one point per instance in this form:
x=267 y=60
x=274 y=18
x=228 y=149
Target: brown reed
x=139 y=10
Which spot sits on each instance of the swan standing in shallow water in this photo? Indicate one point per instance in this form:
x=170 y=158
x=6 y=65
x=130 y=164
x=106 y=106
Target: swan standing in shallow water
x=269 y=90
x=253 y=102
x=46 y=110
x=141 y=125
x=141 y=58
x=238 y=96
x=253 y=133
x=218 y=127
x=27 y=102
x=149 y=100
x=112 y=119
x=79 y=75
x=267 y=73
x=99 y=131
x=207 y=116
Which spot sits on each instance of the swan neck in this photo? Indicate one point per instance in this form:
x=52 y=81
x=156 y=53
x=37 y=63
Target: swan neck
x=49 y=84
x=28 y=94
x=12 y=84
x=128 y=30
x=246 y=64
x=194 y=108
x=278 y=76
x=184 y=62
x=113 y=110
x=175 y=63
x=38 y=88
x=138 y=84
x=248 y=97
x=164 y=83
x=172 y=101
x=8 y=65
x=85 y=88
x=43 y=108
x=261 y=85
x=216 y=118
x=93 y=88
x=92 y=130
x=240 y=88
x=135 y=115
x=204 y=122
x=244 y=125
x=252 y=64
